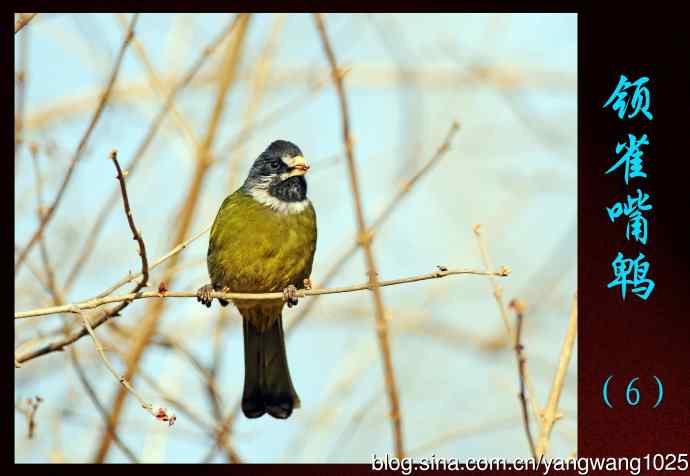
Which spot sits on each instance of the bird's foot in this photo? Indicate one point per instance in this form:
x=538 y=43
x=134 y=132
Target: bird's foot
x=290 y=295
x=307 y=283
x=223 y=302
x=203 y=295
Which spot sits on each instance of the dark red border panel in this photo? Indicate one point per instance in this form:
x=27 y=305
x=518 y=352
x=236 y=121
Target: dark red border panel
x=633 y=338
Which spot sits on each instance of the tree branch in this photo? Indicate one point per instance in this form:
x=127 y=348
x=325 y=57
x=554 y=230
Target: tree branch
x=136 y=233
x=157 y=413
x=23 y=20
x=498 y=295
x=551 y=413
x=76 y=365
x=519 y=309
x=364 y=237
x=94 y=303
x=29 y=410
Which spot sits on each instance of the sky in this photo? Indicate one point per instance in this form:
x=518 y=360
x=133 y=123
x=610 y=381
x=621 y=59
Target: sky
x=510 y=80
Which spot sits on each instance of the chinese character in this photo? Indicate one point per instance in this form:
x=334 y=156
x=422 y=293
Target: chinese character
x=632 y=158
x=632 y=272
x=640 y=98
x=637 y=224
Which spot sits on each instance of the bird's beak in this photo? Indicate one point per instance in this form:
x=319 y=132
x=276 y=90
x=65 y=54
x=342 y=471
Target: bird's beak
x=298 y=165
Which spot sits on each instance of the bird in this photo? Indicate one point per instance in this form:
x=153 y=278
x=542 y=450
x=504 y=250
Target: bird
x=263 y=240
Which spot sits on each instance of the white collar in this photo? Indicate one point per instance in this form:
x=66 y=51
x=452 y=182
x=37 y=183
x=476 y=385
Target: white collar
x=262 y=196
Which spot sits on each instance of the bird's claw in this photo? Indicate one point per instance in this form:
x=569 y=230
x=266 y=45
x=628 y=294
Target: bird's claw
x=223 y=302
x=203 y=295
x=290 y=295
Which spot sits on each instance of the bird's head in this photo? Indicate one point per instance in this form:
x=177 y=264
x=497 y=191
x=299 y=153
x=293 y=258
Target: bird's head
x=277 y=175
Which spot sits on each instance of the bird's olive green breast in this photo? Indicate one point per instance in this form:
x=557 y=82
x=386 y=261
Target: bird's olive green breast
x=253 y=248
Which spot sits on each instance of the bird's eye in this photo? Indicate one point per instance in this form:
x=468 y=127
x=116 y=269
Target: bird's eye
x=275 y=164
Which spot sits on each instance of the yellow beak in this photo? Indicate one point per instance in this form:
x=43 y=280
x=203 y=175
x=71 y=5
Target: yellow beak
x=298 y=165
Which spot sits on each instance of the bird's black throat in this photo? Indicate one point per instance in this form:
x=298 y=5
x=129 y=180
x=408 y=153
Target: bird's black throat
x=293 y=189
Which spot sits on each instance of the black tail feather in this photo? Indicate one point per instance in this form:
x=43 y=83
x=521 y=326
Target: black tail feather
x=267 y=383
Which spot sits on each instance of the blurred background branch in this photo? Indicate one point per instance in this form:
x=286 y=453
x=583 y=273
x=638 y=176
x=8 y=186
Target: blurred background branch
x=23 y=20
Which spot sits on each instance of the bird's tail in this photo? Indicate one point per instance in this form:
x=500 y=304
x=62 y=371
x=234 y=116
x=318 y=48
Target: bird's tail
x=267 y=383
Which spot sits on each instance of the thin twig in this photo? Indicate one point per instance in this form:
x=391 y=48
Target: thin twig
x=498 y=290
x=94 y=303
x=20 y=99
x=132 y=277
x=193 y=416
x=23 y=20
x=169 y=342
x=365 y=238
x=82 y=145
x=81 y=374
x=498 y=295
x=519 y=309
x=120 y=378
x=47 y=266
x=136 y=233
x=29 y=411
x=551 y=413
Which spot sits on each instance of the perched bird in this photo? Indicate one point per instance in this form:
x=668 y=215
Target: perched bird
x=263 y=240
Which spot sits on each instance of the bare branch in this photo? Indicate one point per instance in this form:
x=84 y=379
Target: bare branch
x=47 y=266
x=136 y=233
x=551 y=413
x=519 y=309
x=29 y=409
x=21 y=76
x=364 y=237
x=74 y=358
x=132 y=277
x=158 y=413
x=94 y=303
x=23 y=20
x=498 y=295
x=211 y=428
